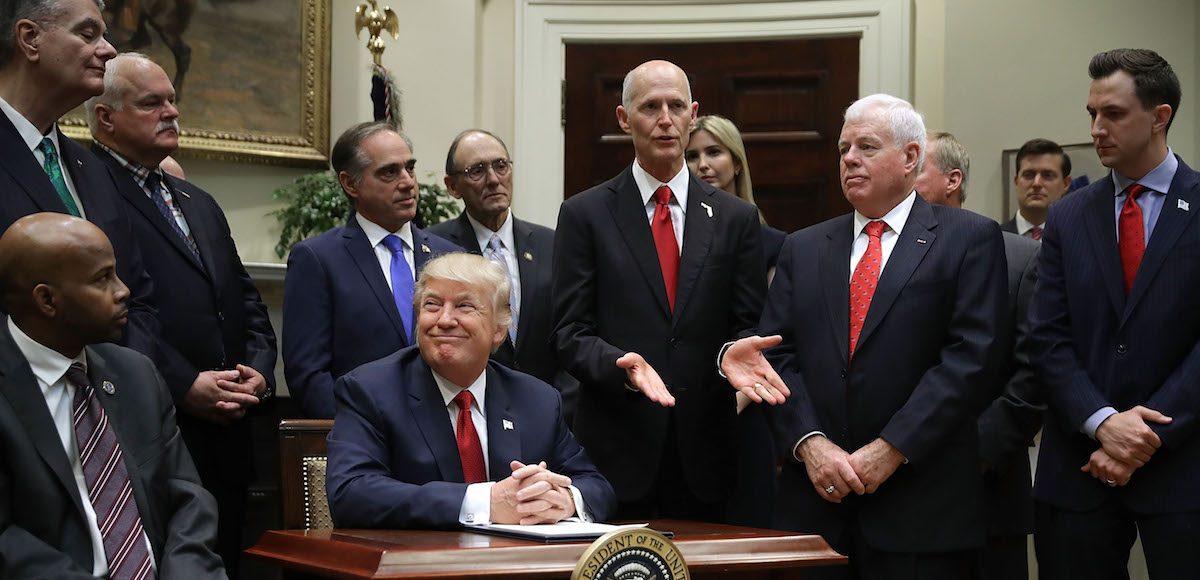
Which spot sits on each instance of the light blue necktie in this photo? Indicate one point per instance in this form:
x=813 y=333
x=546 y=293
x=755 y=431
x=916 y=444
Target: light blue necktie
x=54 y=172
x=402 y=283
x=496 y=254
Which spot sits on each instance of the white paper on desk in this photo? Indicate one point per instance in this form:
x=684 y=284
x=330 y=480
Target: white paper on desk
x=551 y=531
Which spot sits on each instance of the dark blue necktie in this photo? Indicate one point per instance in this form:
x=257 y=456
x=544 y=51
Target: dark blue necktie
x=154 y=185
x=402 y=283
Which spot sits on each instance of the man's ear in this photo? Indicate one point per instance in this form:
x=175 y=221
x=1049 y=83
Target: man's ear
x=623 y=118
x=28 y=36
x=104 y=117
x=1162 y=116
x=912 y=153
x=348 y=185
x=451 y=184
x=955 y=178
x=45 y=299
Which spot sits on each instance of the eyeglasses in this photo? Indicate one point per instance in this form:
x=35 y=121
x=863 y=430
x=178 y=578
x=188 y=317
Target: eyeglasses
x=478 y=171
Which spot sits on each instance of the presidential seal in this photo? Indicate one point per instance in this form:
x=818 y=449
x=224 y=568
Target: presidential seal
x=631 y=554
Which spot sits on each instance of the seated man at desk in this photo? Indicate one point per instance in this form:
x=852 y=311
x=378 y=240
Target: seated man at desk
x=433 y=436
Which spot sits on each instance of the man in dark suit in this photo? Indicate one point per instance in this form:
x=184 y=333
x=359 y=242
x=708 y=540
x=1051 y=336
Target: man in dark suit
x=1008 y=425
x=218 y=341
x=52 y=56
x=479 y=172
x=1043 y=176
x=85 y=426
x=653 y=271
x=438 y=436
x=348 y=293
x=890 y=320
x=1117 y=337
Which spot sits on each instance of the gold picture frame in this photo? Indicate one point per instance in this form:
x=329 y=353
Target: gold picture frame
x=241 y=99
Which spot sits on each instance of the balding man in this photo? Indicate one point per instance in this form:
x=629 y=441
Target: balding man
x=217 y=338
x=653 y=271
x=52 y=58
x=94 y=478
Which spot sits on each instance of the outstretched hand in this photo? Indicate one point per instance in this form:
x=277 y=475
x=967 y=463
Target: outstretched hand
x=748 y=371
x=644 y=378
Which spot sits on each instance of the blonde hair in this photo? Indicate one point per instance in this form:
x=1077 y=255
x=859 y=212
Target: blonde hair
x=472 y=270
x=728 y=136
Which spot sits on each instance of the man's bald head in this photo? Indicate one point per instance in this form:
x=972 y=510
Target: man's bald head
x=60 y=282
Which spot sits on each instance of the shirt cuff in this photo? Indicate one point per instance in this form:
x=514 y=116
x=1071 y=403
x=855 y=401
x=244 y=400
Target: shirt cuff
x=580 y=508
x=796 y=447
x=477 y=504
x=721 y=357
x=1093 y=422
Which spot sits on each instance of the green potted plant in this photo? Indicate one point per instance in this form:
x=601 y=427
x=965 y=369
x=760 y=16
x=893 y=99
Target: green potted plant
x=315 y=202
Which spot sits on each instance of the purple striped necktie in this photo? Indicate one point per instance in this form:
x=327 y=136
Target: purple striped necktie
x=108 y=484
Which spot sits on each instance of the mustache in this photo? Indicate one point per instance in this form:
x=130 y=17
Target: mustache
x=167 y=125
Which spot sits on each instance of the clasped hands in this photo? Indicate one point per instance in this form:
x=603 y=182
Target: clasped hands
x=531 y=495
x=835 y=474
x=1126 y=443
x=222 y=396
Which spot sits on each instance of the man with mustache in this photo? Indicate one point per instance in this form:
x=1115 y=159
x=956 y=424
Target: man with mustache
x=348 y=293
x=52 y=57
x=653 y=271
x=217 y=339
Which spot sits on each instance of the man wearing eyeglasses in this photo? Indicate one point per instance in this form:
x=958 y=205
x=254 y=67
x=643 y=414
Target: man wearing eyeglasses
x=479 y=172
x=348 y=295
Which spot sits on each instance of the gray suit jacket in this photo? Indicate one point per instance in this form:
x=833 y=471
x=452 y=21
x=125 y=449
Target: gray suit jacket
x=43 y=533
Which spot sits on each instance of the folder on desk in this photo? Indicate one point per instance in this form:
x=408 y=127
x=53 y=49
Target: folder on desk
x=552 y=533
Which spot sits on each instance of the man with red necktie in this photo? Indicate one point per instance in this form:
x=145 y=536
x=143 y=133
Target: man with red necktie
x=1118 y=340
x=653 y=271
x=888 y=324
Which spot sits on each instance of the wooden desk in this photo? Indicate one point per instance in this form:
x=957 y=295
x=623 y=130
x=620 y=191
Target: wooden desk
x=711 y=551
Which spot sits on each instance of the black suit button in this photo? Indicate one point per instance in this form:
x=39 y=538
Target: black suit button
x=1122 y=349
x=221 y=316
x=843 y=373
x=674 y=343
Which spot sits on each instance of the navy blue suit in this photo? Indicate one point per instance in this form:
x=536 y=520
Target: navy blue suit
x=1097 y=347
x=338 y=311
x=922 y=371
x=393 y=461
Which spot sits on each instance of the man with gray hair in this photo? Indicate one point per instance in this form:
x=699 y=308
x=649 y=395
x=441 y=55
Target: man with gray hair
x=1008 y=425
x=52 y=57
x=348 y=294
x=887 y=322
x=218 y=344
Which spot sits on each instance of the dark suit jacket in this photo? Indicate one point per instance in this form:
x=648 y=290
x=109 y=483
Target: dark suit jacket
x=1010 y=226
x=338 y=311
x=25 y=189
x=1008 y=425
x=922 y=371
x=393 y=460
x=43 y=533
x=211 y=314
x=609 y=299
x=1096 y=347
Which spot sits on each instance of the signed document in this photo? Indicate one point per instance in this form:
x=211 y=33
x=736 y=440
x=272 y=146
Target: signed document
x=564 y=531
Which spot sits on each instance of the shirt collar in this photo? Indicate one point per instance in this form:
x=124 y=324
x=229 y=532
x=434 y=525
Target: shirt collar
x=1023 y=225
x=140 y=172
x=895 y=219
x=375 y=233
x=48 y=365
x=1159 y=179
x=648 y=184
x=29 y=134
x=450 y=390
x=483 y=235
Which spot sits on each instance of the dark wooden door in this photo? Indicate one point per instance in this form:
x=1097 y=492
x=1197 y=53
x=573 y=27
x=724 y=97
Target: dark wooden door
x=786 y=96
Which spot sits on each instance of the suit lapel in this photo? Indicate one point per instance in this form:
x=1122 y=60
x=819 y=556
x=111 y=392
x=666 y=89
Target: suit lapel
x=629 y=213
x=363 y=254
x=912 y=245
x=1170 y=225
x=1100 y=221
x=527 y=264
x=200 y=235
x=835 y=271
x=428 y=408
x=21 y=389
x=698 y=224
x=504 y=440
x=21 y=164
x=466 y=235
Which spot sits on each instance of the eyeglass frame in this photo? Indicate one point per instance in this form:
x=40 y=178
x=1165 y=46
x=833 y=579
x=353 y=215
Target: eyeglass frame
x=483 y=166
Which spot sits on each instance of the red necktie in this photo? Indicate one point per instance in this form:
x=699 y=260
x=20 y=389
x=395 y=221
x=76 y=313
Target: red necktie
x=1035 y=233
x=664 y=242
x=1131 y=234
x=470 y=452
x=108 y=484
x=866 y=277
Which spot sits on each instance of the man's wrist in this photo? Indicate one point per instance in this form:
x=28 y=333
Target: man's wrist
x=721 y=357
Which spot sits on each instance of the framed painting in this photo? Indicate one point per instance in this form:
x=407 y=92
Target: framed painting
x=251 y=76
x=1085 y=168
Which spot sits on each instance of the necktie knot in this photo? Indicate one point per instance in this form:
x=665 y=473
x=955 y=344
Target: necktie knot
x=1135 y=190
x=47 y=149
x=77 y=376
x=393 y=244
x=494 y=244
x=662 y=195
x=875 y=229
x=465 y=399
x=153 y=182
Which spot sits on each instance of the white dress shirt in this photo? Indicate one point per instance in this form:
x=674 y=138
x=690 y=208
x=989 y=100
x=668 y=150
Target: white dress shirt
x=648 y=184
x=483 y=235
x=1024 y=225
x=375 y=235
x=895 y=220
x=477 y=503
x=33 y=137
x=50 y=369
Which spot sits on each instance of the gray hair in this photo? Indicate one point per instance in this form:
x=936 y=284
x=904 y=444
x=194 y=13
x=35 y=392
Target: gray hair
x=947 y=154
x=627 y=84
x=903 y=121
x=12 y=11
x=347 y=154
x=472 y=270
x=116 y=85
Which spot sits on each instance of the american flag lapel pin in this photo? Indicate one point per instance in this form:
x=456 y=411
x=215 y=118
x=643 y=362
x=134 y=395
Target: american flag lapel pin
x=424 y=248
x=1183 y=205
x=508 y=425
